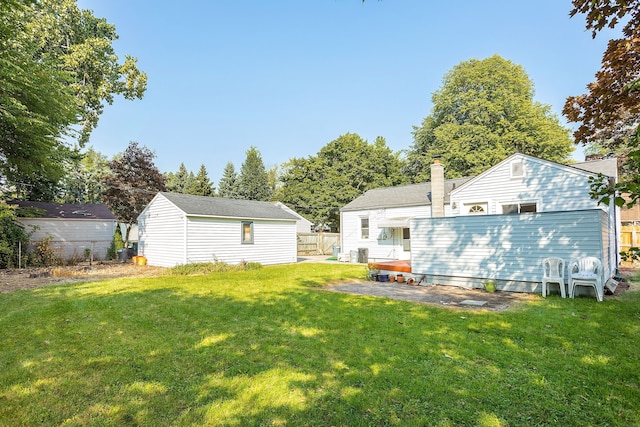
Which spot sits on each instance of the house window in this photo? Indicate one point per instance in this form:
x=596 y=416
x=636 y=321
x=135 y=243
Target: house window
x=476 y=209
x=517 y=169
x=364 y=228
x=247 y=232
x=406 y=240
x=515 y=208
x=510 y=209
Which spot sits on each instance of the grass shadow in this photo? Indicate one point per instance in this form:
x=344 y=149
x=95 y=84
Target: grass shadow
x=262 y=347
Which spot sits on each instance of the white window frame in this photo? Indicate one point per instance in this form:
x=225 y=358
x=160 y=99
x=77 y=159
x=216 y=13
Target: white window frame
x=513 y=168
x=483 y=205
x=519 y=205
x=406 y=241
x=363 y=228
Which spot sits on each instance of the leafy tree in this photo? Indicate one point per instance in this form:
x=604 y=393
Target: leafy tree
x=11 y=234
x=81 y=44
x=83 y=180
x=57 y=68
x=201 y=185
x=318 y=186
x=35 y=105
x=133 y=181
x=272 y=179
x=608 y=113
x=483 y=113
x=228 y=186
x=253 y=182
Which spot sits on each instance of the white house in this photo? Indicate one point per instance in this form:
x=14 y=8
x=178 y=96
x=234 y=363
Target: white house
x=498 y=226
x=379 y=220
x=75 y=230
x=181 y=229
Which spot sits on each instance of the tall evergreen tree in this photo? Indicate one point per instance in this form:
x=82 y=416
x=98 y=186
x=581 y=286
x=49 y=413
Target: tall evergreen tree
x=201 y=185
x=178 y=182
x=253 y=182
x=228 y=186
x=483 y=113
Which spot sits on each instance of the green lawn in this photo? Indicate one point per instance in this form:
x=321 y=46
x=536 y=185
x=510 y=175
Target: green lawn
x=266 y=347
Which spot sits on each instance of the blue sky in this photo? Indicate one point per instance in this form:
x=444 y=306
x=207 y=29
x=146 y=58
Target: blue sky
x=289 y=76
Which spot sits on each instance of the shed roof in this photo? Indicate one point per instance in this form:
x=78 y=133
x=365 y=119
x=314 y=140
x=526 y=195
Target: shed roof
x=64 y=210
x=226 y=208
x=401 y=196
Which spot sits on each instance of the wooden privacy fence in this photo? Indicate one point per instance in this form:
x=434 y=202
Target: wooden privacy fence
x=317 y=243
x=629 y=238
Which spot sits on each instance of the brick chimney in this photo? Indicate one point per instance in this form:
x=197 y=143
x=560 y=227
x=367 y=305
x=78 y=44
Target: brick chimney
x=437 y=189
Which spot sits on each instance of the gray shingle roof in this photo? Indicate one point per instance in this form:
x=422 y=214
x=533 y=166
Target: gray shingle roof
x=227 y=208
x=402 y=196
x=608 y=167
x=65 y=210
x=420 y=194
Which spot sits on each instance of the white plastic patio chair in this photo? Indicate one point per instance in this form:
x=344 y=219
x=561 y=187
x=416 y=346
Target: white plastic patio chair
x=586 y=271
x=553 y=272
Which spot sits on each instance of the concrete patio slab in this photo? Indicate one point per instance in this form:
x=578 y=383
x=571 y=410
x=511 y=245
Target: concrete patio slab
x=447 y=296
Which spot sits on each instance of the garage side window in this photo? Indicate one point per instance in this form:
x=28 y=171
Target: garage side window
x=247 y=232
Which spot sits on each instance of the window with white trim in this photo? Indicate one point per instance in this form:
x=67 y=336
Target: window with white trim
x=406 y=240
x=517 y=208
x=517 y=169
x=476 y=208
x=364 y=228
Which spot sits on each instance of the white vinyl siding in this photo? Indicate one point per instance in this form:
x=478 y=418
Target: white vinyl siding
x=468 y=250
x=161 y=233
x=168 y=237
x=383 y=243
x=70 y=237
x=551 y=186
x=210 y=239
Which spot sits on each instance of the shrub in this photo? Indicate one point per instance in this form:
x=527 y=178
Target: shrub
x=116 y=243
x=45 y=254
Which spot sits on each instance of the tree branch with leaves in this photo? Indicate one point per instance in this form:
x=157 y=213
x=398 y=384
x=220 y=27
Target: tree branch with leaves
x=133 y=181
x=608 y=112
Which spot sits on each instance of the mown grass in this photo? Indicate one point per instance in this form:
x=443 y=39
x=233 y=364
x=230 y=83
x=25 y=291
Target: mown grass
x=266 y=347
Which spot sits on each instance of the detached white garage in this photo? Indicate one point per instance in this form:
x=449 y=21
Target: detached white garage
x=179 y=229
